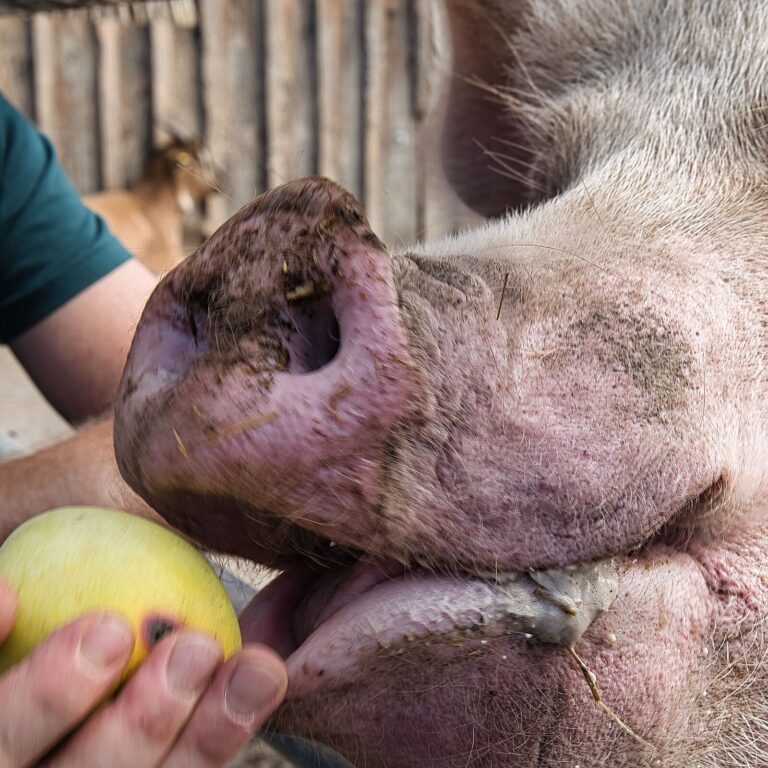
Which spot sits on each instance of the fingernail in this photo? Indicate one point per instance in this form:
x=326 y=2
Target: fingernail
x=191 y=663
x=107 y=641
x=253 y=690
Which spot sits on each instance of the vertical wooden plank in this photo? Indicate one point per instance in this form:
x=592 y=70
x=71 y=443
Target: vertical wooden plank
x=214 y=28
x=339 y=92
x=232 y=99
x=16 y=64
x=109 y=101
x=423 y=14
x=374 y=114
x=124 y=101
x=64 y=55
x=176 y=105
x=432 y=57
x=390 y=148
x=246 y=169
x=290 y=90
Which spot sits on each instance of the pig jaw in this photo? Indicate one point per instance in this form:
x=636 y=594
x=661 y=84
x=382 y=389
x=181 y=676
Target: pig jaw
x=679 y=651
x=510 y=701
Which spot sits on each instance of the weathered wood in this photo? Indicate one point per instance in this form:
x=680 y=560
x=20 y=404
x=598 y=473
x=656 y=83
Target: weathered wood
x=16 y=64
x=182 y=12
x=214 y=30
x=390 y=149
x=246 y=168
x=124 y=101
x=34 y=6
x=275 y=88
x=432 y=60
x=65 y=92
x=290 y=90
x=232 y=86
x=421 y=13
x=176 y=83
x=340 y=92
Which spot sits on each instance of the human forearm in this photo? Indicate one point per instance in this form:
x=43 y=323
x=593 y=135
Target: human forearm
x=81 y=470
x=76 y=355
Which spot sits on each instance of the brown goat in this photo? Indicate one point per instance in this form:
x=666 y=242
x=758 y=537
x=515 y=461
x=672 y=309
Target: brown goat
x=148 y=217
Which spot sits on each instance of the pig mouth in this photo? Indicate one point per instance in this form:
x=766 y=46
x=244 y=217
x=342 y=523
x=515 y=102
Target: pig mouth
x=327 y=625
x=375 y=620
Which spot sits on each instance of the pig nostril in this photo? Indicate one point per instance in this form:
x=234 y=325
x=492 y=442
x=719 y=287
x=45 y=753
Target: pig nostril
x=313 y=336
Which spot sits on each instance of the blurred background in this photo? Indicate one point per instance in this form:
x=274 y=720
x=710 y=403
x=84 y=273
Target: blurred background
x=273 y=89
x=265 y=91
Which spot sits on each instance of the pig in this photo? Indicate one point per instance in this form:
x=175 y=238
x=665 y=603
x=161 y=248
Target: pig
x=514 y=478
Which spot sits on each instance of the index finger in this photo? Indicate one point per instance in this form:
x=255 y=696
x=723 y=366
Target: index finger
x=47 y=694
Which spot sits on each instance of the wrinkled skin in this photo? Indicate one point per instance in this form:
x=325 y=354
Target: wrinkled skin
x=579 y=380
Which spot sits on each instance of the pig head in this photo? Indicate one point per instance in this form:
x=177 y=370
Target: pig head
x=546 y=432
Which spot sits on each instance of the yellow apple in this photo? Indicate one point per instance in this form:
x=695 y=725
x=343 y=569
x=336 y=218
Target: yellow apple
x=76 y=560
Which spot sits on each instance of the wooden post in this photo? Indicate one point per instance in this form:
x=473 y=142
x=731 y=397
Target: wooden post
x=390 y=147
x=124 y=101
x=340 y=92
x=176 y=86
x=232 y=76
x=16 y=64
x=66 y=92
x=290 y=90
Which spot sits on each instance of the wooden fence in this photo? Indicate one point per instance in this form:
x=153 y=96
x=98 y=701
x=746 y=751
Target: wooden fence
x=275 y=88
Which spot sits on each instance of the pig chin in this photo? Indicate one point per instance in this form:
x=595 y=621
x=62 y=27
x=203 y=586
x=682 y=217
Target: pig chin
x=295 y=396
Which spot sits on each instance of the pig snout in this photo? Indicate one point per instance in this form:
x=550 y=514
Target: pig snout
x=267 y=374
x=291 y=381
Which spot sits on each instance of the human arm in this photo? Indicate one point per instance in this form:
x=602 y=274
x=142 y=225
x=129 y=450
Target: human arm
x=70 y=297
x=78 y=372
x=79 y=471
x=149 y=717
x=75 y=355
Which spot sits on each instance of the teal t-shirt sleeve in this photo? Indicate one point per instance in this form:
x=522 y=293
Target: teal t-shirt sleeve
x=51 y=246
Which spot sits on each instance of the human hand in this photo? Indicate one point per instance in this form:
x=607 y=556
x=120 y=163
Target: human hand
x=182 y=707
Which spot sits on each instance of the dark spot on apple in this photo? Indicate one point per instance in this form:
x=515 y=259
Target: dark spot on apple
x=155 y=628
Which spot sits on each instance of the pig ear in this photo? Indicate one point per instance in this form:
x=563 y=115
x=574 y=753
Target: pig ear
x=483 y=152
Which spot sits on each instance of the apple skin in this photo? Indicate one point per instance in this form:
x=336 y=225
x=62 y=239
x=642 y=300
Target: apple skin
x=77 y=560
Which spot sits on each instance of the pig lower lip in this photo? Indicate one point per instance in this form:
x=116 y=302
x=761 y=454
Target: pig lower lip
x=556 y=606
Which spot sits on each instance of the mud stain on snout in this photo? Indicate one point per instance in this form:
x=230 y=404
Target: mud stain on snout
x=658 y=360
